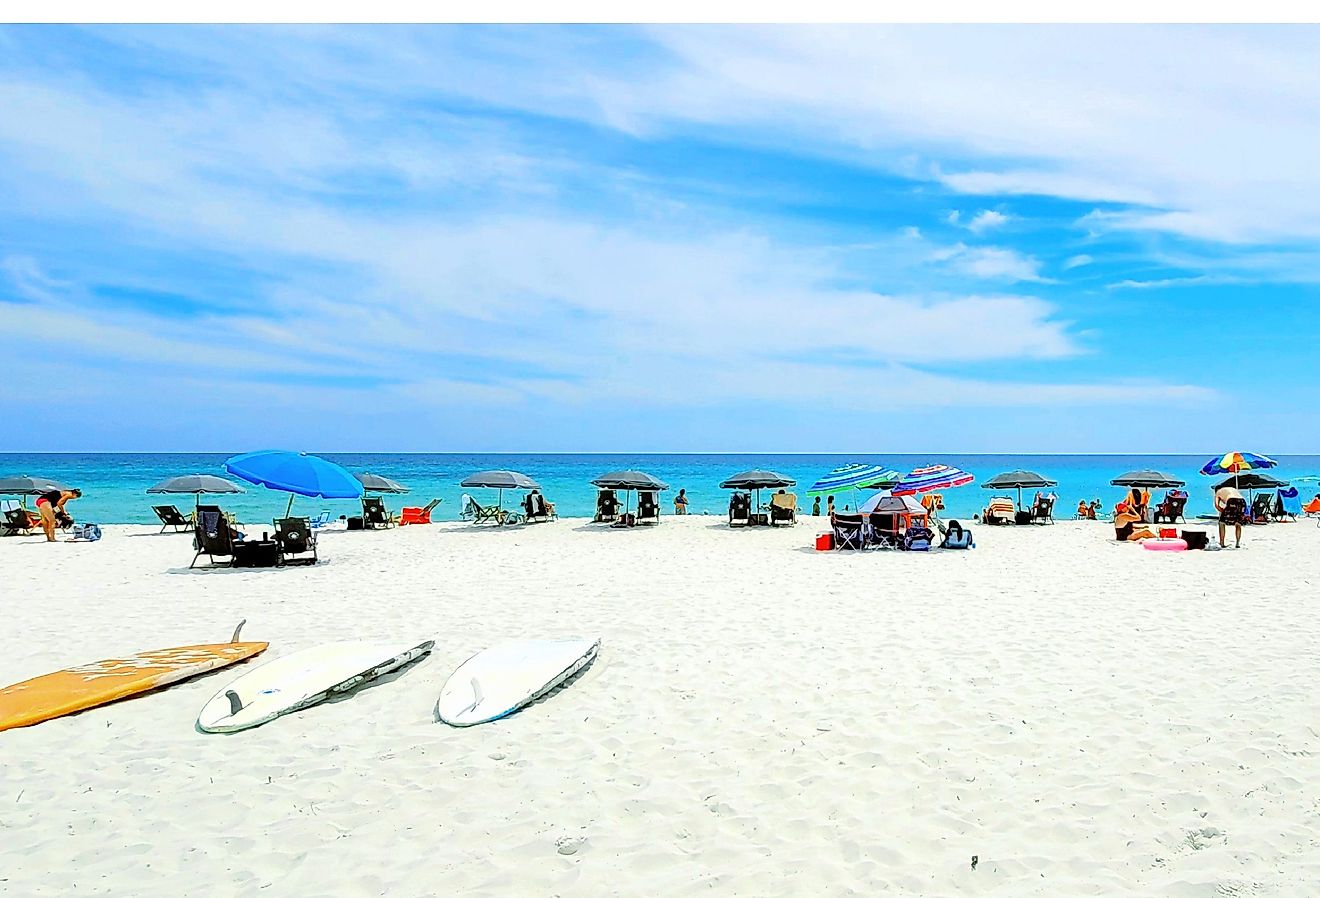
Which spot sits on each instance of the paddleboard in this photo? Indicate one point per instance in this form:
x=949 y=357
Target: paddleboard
x=498 y=681
x=301 y=680
x=88 y=685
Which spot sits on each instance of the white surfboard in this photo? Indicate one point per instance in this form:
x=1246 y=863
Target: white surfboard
x=301 y=680
x=499 y=680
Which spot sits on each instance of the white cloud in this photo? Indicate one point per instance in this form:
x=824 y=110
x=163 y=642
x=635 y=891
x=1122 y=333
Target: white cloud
x=1077 y=261
x=985 y=220
x=989 y=262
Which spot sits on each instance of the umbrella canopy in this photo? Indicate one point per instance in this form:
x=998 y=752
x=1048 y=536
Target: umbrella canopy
x=1018 y=480
x=629 y=480
x=931 y=477
x=374 y=483
x=757 y=480
x=196 y=483
x=854 y=477
x=886 y=502
x=296 y=473
x=1151 y=479
x=29 y=486
x=501 y=480
x=1236 y=463
x=1252 y=482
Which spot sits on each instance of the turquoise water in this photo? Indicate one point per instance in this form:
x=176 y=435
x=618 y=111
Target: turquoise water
x=114 y=485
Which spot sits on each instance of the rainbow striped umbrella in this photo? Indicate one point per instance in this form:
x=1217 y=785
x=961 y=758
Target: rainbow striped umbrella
x=1236 y=463
x=932 y=477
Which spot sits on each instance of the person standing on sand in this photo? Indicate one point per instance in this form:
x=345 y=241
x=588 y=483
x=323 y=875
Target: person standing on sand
x=829 y=507
x=1229 y=514
x=680 y=502
x=815 y=507
x=50 y=505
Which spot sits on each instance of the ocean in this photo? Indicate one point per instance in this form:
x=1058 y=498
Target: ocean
x=114 y=485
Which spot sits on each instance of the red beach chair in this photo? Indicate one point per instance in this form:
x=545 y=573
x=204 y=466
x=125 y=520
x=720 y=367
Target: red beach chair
x=415 y=515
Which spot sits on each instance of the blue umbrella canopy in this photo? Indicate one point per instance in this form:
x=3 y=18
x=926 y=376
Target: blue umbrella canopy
x=1236 y=463
x=296 y=473
x=854 y=477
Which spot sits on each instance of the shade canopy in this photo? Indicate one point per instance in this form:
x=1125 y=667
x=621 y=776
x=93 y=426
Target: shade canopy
x=374 y=483
x=1151 y=479
x=1018 y=480
x=885 y=502
x=500 y=480
x=1236 y=463
x=29 y=486
x=1252 y=482
x=757 y=480
x=854 y=477
x=629 y=480
x=930 y=478
x=196 y=483
x=295 y=472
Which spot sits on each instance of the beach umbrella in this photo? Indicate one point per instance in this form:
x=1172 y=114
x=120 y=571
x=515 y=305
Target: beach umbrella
x=1148 y=479
x=1235 y=463
x=29 y=486
x=195 y=484
x=931 y=478
x=854 y=477
x=374 y=483
x=757 y=480
x=629 y=481
x=1018 y=480
x=1252 y=481
x=295 y=473
x=500 y=480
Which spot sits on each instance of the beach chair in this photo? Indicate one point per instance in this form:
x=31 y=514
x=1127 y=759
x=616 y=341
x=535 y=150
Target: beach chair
x=212 y=535
x=607 y=507
x=374 y=514
x=1289 y=507
x=1171 y=509
x=295 y=538
x=316 y=522
x=1261 y=508
x=957 y=537
x=1042 y=512
x=1000 y=510
x=18 y=521
x=849 y=530
x=883 y=531
x=648 y=507
x=536 y=510
x=918 y=539
x=170 y=516
x=783 y=509
x=740 y=510
x=413 y=514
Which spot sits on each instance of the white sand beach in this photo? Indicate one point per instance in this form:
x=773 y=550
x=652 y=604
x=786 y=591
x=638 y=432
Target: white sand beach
x=1081 y=716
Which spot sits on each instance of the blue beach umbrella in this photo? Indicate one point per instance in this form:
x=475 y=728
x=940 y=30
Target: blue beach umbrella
x=296 y=473
x=854 y=477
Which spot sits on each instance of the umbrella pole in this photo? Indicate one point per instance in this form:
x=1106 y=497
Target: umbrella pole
x=289 y=509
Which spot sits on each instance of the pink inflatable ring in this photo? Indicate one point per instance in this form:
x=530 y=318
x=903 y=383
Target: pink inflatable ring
x=1164 y=545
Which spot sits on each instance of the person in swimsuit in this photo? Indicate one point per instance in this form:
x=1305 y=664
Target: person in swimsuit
x=50 y=506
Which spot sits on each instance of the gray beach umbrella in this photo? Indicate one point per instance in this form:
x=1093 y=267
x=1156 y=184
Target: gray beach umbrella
x=757 y=480
x=1151 y=479
x=1018 y=480
x=196 y=484
x=374 y=483
x=1252 y=481
x=629 y=480
x=29 y=486
x=501 y=480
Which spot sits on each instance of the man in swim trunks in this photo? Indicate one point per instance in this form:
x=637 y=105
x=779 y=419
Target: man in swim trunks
x=1229 y=515
x=50 y=505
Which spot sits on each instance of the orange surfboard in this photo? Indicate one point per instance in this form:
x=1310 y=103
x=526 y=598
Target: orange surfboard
x=88 y=685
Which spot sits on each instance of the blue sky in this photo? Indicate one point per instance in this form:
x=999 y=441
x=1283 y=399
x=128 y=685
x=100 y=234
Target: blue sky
x=873 y=239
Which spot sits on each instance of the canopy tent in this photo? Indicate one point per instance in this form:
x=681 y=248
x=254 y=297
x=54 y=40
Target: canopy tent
x=374 y=483
x=1148 y=479
x=905 y=508
x=295 y=473
x=1018 y=480
x=196 y=484
x=25 y=486
x=854 y=477
x=500 y=480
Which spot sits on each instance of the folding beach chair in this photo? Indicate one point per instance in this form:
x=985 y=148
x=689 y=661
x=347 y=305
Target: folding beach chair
x=295 y=538
x=884 y=531
x=18 y=521
x=212 y=535
x=740 y=510
x=1042 y=512
x=849 y=530
x=414 y=515
x=1289 y=507
x=1261 y=507
x=1000 y=510
x=536 y=510
x=316 y=522
x=1171 y=509
x=648 y=508
x=480 y=514
x=783 y=508
x=170 y=516
x=374 y=514
x=607 y=507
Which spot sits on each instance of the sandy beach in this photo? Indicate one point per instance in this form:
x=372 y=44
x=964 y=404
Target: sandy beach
x=1081 y=717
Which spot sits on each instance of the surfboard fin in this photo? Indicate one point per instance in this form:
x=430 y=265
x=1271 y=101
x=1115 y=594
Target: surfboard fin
x=477 y=696
x=238 y=630
x=235 y=703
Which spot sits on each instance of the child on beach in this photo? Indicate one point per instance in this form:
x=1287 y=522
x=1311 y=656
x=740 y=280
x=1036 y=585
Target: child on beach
x=681 y=502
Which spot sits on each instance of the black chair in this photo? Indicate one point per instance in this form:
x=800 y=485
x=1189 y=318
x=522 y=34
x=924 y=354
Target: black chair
x=1171 y=509
x=294 y=537
x=740 y=510
x=1042 y=512
x=607 y=506
x=849 y=531
x=536 y=510
x=884 y=531
x=1261 y=508
x=648 y=509
x=374 y=515
x=18 y=522
x=213 y=536
x=170 y=516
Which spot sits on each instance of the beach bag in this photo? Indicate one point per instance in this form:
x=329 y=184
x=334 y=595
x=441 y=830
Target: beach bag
x=917 y=539
x=958 y=538
x=86 y=532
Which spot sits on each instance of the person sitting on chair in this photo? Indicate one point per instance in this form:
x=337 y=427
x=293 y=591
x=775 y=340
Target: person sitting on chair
x=1084 y=509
